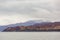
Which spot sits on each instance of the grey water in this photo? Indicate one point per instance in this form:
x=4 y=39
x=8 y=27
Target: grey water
x=29 y=35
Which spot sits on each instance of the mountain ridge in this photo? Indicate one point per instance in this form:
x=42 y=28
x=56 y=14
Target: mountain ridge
x=30 y=23
x=27 y=23
x=43 y=26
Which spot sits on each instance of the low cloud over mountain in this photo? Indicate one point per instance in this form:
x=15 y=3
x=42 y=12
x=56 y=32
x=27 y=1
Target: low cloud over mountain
x=13 y=11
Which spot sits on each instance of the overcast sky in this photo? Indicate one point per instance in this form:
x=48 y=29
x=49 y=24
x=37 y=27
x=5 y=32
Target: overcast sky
x=15 y=11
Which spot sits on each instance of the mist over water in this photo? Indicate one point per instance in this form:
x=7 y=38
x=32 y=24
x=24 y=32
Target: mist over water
x=29 y=35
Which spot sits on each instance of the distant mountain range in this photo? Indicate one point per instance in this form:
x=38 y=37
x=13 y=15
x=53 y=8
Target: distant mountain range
x=33 y=25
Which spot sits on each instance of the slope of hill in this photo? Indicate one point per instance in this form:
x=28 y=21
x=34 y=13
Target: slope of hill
x=3 y=28
x=43 y=26
x=28 y=23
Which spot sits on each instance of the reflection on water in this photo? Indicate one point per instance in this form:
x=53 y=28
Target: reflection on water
x=29 y=35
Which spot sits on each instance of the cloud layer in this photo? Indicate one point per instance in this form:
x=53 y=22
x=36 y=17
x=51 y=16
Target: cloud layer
x=13 y=11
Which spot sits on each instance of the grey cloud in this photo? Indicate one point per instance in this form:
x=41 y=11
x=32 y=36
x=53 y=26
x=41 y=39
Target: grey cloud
x=26 y=8
x=35 y=10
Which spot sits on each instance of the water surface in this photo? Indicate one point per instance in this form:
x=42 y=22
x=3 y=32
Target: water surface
x=29 y=35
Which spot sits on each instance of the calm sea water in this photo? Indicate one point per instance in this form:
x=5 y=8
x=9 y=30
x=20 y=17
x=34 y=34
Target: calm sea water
x=29 y=35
